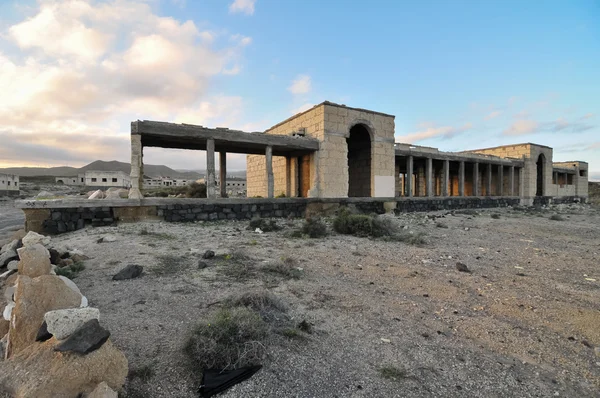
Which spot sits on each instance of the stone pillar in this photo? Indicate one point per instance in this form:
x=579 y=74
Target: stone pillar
x=397 y=181
x=409 y=176
x=446 y=178
x=461 y=178
x=210 y=169
x=223 y=173
x=488 y=180
x=500 y=180
x=269 y=164
x=420 y=181
x=288 y=176
x=429 y=176
x=512 y=180
x=476 y=179
x=137 y=166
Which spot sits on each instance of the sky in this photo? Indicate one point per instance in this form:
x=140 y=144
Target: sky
x=457 y=75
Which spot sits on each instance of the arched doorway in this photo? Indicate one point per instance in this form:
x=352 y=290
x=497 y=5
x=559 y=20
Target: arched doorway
x=359 y=162
x=541 y=165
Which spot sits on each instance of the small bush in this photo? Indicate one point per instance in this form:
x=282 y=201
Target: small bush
x=286 y=268
x=196 y=190
x=383 y=226
x=391 y=372
x=170 y=265
x=70 y=271
x=414 y=239
x=314 y=228
x=231 y=338
x=264 y=225
x=296 y=234
x=441 y=225
x=236 y=266
x=270 y=307
x=281 y=195
x=557 y=217
x=143 y=373
x=495 y=216
x=364 y=225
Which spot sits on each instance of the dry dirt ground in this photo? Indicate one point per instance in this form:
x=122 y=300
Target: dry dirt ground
x=524 y=323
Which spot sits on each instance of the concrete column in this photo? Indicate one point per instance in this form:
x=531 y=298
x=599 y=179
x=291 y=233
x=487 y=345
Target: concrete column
x=288 y=176
x=488 y=180
x=210 y=169
x=512 y=180
x=223 y=173
x=137 y=167
x=476 y=179
x=409 y=176
x=461 y=178
x=446 y=178
x=269 y=164
x=429 y=176
x=296 y=176
x=500 y=180
x=566 y=179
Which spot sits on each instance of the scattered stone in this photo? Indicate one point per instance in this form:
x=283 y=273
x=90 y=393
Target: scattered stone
x=129 y=272
x=13 y=265
x=208 y=254
x=462 y=267
x=43 y=334
x=107 y=239
x=305 y=327
x=103 y=391
x=87 y=338
x=62 y=323
x=12 y=246
x=9 y=292
x=8 y=311
x=35 y=261
x=7 y=257
x=33 y=238
x=358 y=266
x=202 y=264
x=597 y=351
x=35 y=297
x=97 y=195
x=38 y=371
x=386 y=340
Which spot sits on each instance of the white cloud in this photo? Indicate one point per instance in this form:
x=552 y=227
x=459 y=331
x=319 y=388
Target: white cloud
x=429 y=130
x=521 y=127
x=492 y=115
x=220 y=111
x=528 y=126
x=300 y=85
x=242 y=6
x=302 y=108
x=241 y=39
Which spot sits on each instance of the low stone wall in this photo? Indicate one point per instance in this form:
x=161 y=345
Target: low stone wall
x=58 y=216
x=10 y=193
x=548 y=200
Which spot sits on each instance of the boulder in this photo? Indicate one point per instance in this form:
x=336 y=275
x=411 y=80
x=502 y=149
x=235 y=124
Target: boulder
x=33 y=237
x=7 y=312
x=103 y=391
x=7 y=257
x=62 y=323
x=39 y=371
x=34 y=297
x=107 y=239
x=97 y=195
x=12 y=246
x=87 y=338
x=13 y=265
x=78 y=258
x=35 y=261
x=208 y=254
x=129 y=272
x=6 y=274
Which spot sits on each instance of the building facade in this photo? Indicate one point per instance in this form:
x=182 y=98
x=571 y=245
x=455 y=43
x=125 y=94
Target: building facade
x=358 y=157
x=98 y=179
x=9 y=185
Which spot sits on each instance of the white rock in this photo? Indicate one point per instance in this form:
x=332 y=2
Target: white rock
x=62 y=323
x=258 y=231
x=97 y=195
x=9 y=246
x=8 y=310
x=84 y=302
x=9 y=292
x=109 y=238
x=6 y=274
x=33 y=238
x=13 y=265
x=70 y=283
x=4 y=257
x=103 y=391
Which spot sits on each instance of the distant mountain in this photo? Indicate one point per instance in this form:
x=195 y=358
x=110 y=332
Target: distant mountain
x=100 y=165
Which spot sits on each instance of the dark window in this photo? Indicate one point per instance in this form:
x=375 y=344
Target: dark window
x=93 y=179
x=16 y=183
x=9 y=183
x=114 y=180
x=82 y=180
x=104 y=180
x=582 y=173
x=569 y=179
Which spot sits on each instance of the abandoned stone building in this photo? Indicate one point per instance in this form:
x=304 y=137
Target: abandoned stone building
x=97 y=179
x=9 y=185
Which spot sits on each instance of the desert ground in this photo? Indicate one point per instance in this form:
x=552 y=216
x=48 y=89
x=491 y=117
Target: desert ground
x=386 y=318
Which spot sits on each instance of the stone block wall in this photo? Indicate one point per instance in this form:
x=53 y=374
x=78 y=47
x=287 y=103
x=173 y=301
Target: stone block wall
x=226 y=211
x=54 y=221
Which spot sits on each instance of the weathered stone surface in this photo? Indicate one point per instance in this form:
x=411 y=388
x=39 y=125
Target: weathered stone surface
x=6 y=313
x=96 y=195
x=78 y=258
x=129 y=272
x=7 y=257
x=4 y=326
x=62 y=323
x=103 y=391
x=33 y=238
x=10 y=246
x=6 y=274
x=34 y=297
x=43 y=334
x=13 y=265
x=35 y=261
x=87 y=338
x=40 y=372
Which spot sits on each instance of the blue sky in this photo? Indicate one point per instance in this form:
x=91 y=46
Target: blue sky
x=457 y=74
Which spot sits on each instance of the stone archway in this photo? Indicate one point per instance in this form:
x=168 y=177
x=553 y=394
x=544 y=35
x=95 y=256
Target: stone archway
x=359 y=161
x=541 y=168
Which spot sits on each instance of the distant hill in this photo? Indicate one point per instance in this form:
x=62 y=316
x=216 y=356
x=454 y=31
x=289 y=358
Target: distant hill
x=100 y=165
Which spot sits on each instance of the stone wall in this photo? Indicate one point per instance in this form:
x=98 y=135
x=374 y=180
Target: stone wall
x=547 y=200
x=59 y=220
x=12 y=193
x=226 y=211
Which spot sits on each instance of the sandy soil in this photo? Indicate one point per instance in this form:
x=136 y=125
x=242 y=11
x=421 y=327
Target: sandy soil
x=524 y=323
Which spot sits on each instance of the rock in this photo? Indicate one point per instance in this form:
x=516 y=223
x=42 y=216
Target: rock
x=34 y=297
x=62 y=323
x=7 y=257
x=103 y=391
x=6 y=314
x=208 y=254
x=43 y=334
x=9 y=292
x=13 y=265
x=35 y=261
x=4 y=276
x=33 y=237
x=129 y=272
x=97 y=195
x=12 y=246
x=462 y=267
x=65 y=262
x=87 y=338
x=39 y=371
x=202 y=264
x=54 y=256
x=79 y=258
x=107 y=239
x=45 y=195
x=4 y=326
x=70 y=284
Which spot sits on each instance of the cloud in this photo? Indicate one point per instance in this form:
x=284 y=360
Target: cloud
x=429 y=130
x=242 y=6
x=493 y=115
x=221 y=111
x=300 y=85
x=89 y=68
x=528 y=126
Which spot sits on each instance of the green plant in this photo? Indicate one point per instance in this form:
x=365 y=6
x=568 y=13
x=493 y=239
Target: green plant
x=281 y=195
x=70 y=271
x=314 y=228
x=414 y=239
x=169 y=264
x=297 y=233
x=286 y=268
x=495 y=216
x=557 y=217
x=231 y=338
x=196 y=190
x=236 y=265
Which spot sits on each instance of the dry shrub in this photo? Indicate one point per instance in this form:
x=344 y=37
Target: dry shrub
x=314 y=228
x=264 y=225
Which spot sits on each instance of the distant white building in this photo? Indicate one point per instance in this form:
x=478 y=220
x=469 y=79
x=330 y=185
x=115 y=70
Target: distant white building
x=160 y=182
x=9 y=185
x=98 y=179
